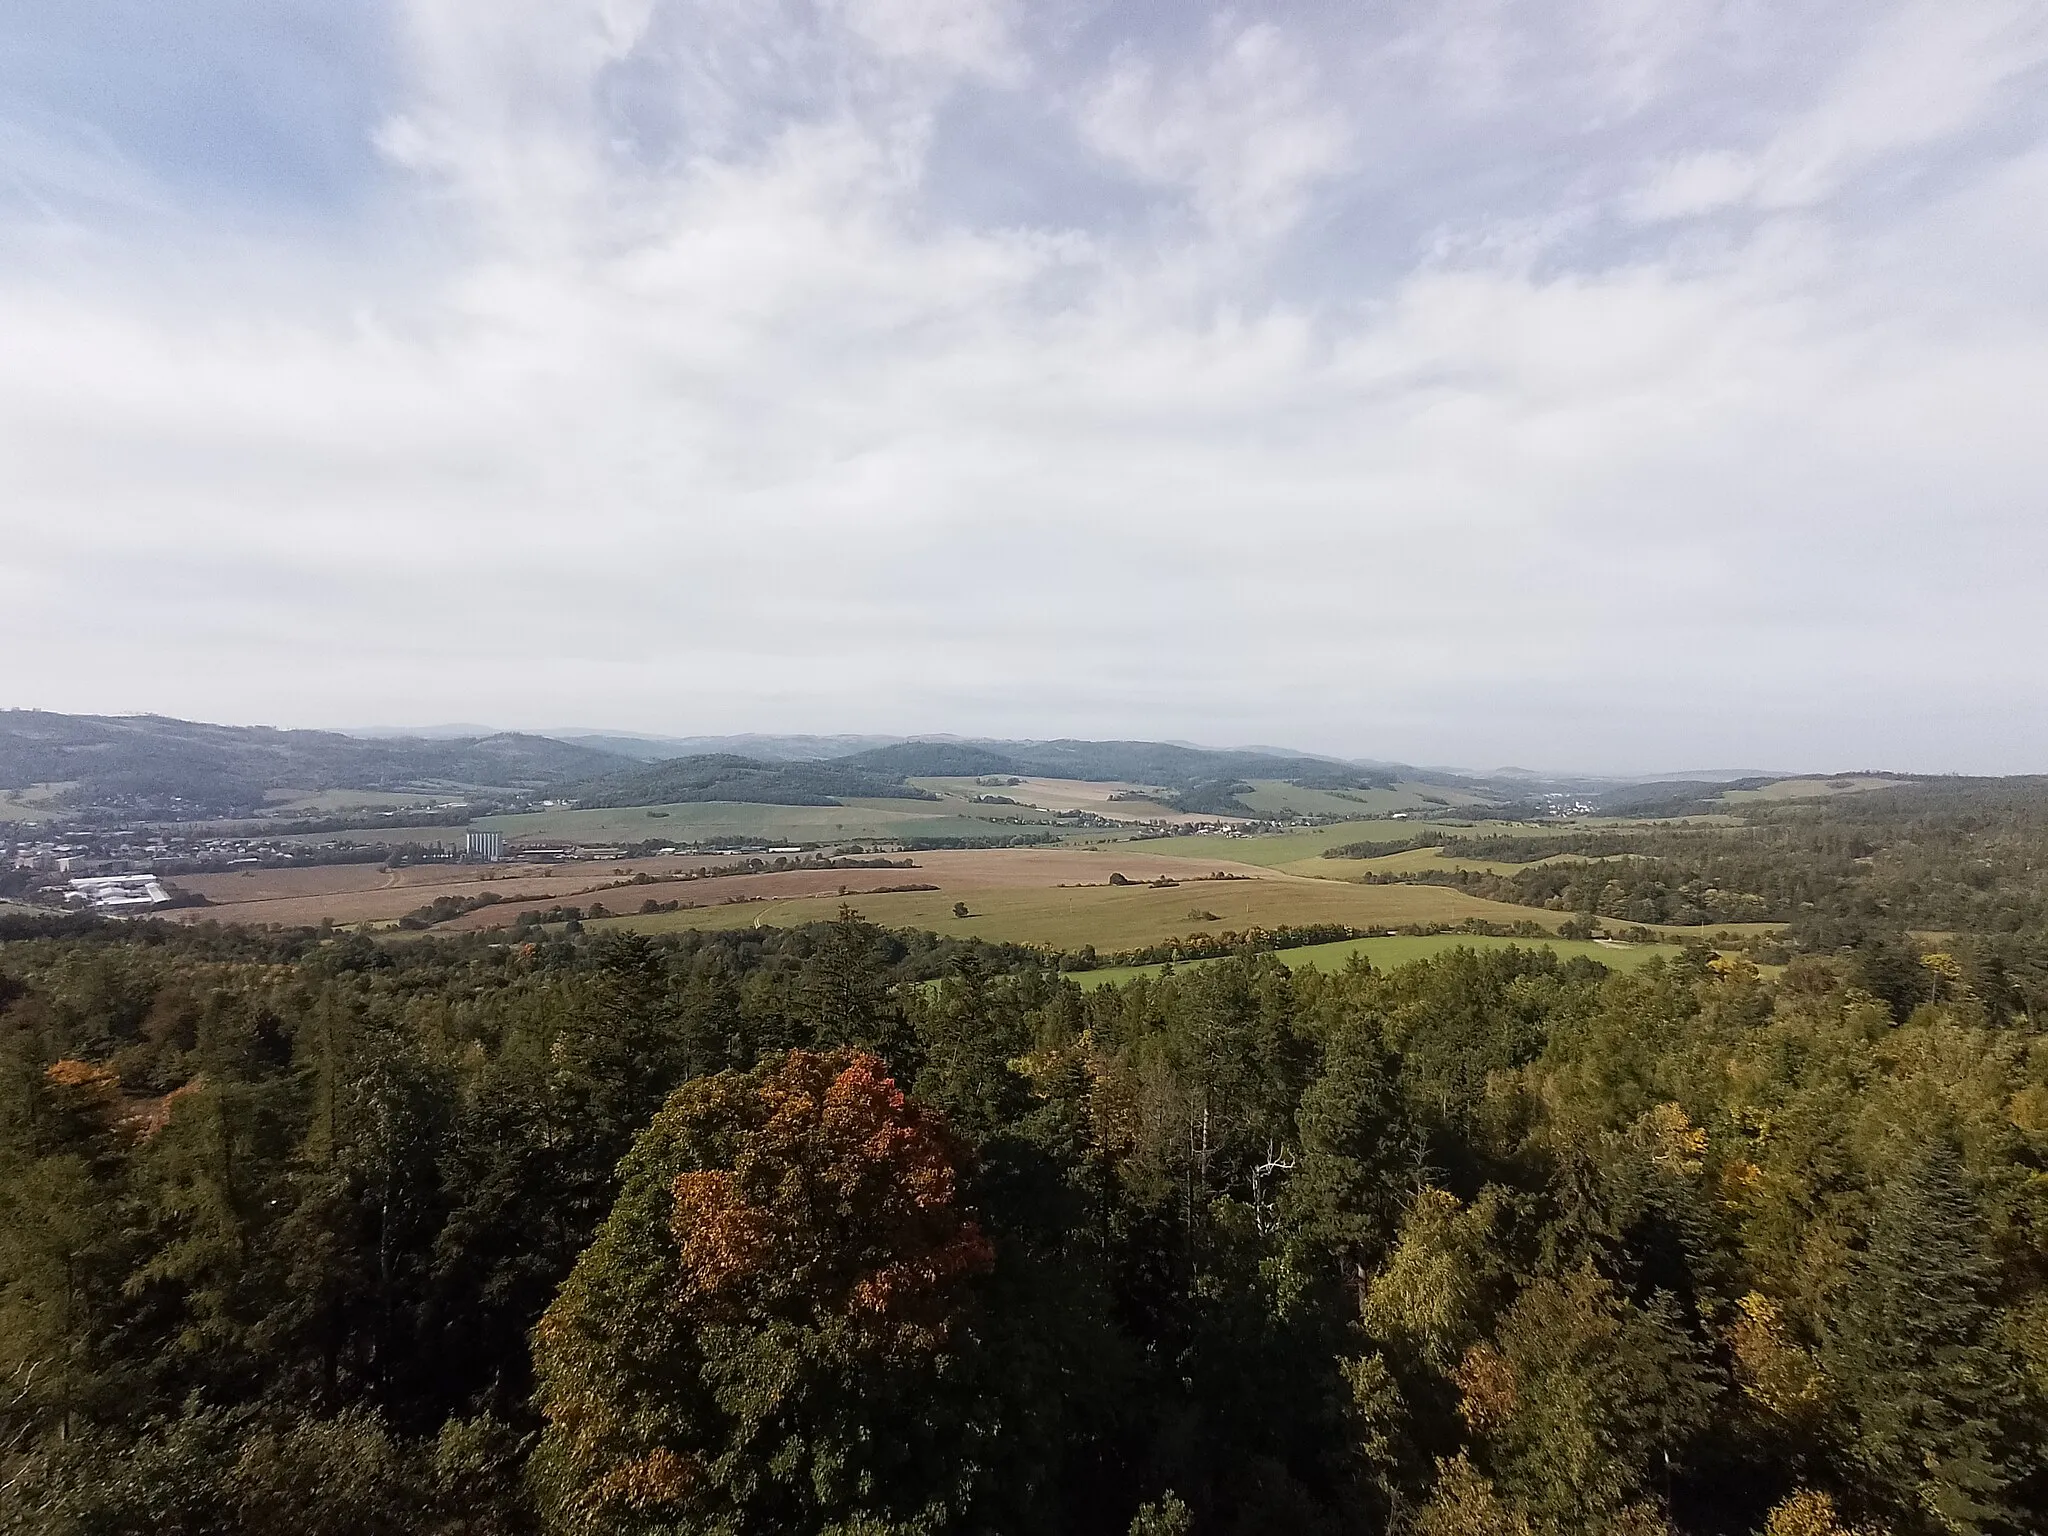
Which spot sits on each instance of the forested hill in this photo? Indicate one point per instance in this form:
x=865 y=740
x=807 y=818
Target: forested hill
x=688 y=780
x=1136 y=762
x=154 y=766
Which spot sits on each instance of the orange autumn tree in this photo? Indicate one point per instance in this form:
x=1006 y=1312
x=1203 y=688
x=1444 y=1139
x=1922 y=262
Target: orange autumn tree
x=767 y=1333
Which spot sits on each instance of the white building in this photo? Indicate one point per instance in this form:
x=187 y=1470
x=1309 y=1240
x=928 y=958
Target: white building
x=483 y=847
x=118 y=893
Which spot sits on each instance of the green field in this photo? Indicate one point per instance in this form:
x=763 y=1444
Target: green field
x=1807 y=789
x=1276 y=797
x=1114 y=917
x=1386 y=953
x=710 y=820
x=32 y=804
x=327 y=802
x=1273 y=850
x=1301 y=852
x=13 y=810
x=1414 y=861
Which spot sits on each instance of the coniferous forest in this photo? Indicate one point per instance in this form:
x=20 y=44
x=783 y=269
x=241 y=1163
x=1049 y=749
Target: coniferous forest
x=834 y=1230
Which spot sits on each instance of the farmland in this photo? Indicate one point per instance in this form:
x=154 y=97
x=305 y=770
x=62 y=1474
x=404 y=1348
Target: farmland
x=371 y=894
x=1115 y=917
x=1301 y=852
x=1384 y=953
x=1277 y=798
x=1808 y=789
x=1092 y=797
x=710 y=820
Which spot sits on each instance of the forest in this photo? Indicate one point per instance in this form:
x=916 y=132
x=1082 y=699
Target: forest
x=838 y=1230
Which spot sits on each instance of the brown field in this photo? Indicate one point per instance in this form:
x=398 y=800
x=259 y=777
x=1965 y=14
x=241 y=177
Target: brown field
x=369 y=893
x=1052 y=896
x=358 y=893
x=957 y=872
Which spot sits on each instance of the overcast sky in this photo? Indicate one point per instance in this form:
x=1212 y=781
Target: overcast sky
x=1619 y=384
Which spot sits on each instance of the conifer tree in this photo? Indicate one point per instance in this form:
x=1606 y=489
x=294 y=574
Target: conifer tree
x=1929 y=1388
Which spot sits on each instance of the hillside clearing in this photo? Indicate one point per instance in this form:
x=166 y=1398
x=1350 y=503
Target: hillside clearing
x=1386 y=953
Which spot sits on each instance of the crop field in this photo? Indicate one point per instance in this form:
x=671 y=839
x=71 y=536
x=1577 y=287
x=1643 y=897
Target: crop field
x=369 y=893
x=286 y=802
x=361 y=837
x=1386 y=953
x=1056 y=896
x=1414 y=861
x=1090 y=795
x=1117 y=917
x=1301 y=852
x=1275 y=850
x=710 y=820
x=1808 y=789
x=1276 y=797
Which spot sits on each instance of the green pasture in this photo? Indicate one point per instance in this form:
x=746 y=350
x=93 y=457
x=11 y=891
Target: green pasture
x=1386 y=953
x=327 y=802
x=35 y=803
x=1808 y=789
x=711 y=820
x=1110 y=917
x=1410 y=861
x=1276 y=797
x=1301 y=852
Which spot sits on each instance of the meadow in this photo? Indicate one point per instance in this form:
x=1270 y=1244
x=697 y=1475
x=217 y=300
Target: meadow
x=32 y=804
x=710 y=820
x=1387 y=952
x=1114 y=917
x=1301 y=852
x=1807 y=789
x=1278 y=798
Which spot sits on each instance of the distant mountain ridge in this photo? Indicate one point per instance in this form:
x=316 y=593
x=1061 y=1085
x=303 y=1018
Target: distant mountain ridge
x=158 y=768
x=153 y=766
x=1136 y=762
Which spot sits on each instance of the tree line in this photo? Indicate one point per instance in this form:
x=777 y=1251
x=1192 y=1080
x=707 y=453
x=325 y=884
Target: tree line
x=766 y=1231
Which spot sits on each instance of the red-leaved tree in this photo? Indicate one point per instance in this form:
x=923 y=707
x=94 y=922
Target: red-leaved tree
x=765 y=1334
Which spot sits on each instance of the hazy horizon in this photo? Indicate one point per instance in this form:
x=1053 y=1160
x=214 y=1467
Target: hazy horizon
x=1616 y=383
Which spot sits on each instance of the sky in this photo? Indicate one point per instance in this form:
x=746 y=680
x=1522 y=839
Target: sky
x=1616 y=385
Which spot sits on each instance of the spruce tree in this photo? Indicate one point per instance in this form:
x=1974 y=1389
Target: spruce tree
x=1929 y=1389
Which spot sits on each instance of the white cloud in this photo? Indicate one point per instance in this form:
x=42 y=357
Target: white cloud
x=1929 y=71
x=1247 y=131
x=747 y=429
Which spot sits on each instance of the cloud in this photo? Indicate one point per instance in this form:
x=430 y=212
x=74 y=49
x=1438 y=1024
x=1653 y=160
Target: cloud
x=1928 y=72
x=662 y=385
x=1246 y=131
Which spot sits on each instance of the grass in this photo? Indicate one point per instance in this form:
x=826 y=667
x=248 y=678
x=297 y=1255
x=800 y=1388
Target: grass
x=708 y=821
x=1276 y=797
x=1807 y=789
x=1386 y=953
x=285 y=802
x=1415 y=861
x=1114 y=917
x=36 y=803
x=1274 y=850
x=1301 y=853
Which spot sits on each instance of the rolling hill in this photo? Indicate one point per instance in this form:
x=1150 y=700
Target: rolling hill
x=152 y=766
